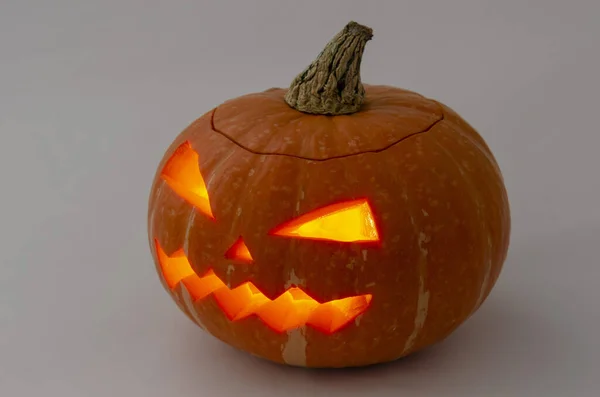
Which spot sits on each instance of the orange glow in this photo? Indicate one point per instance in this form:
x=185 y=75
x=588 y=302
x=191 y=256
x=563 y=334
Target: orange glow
x=239 y=251
x=292 y=309
x=182 y=174
x=174 y=268
x=350 y=221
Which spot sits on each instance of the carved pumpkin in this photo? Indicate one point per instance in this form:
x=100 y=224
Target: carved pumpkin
x=330 y=224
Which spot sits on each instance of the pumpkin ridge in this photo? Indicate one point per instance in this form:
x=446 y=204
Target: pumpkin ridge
x=483 y=149
x=384 y=148
x=478 y=199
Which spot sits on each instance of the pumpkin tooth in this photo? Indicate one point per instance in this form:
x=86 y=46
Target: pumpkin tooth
x=333 y=315
x=256 y=300
x=201 y=287
x=290 y=310
x=175 y=267
x=320 y=318
x=234 y=302
x=278 y=314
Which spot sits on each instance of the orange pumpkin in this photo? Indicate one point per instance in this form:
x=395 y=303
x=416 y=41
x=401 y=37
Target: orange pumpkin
x=330 y=224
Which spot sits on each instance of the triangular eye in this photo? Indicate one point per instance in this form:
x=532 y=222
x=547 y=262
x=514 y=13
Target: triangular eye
x=350 y=221
x=239 y=251
x=182 y=174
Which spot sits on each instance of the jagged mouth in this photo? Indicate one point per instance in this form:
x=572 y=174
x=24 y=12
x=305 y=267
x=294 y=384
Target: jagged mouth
x=292 y=309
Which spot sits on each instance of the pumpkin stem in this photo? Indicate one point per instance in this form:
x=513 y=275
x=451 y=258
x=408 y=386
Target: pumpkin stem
x=331 y=84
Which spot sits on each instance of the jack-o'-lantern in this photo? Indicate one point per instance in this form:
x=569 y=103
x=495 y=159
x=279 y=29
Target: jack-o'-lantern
x=332 y=223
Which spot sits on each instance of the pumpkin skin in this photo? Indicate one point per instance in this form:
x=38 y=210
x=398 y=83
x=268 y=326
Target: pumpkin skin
x=436 y=191
x=436 y=195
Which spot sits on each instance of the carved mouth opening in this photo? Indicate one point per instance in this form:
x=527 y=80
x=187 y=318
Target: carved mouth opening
x=292 y=309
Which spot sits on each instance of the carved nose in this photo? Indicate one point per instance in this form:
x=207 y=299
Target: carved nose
x=239 y=252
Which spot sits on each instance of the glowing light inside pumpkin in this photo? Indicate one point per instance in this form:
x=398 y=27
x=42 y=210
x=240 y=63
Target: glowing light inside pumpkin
x=239 y=251
x=182 y=174
x=351 y=221
x=292 y=309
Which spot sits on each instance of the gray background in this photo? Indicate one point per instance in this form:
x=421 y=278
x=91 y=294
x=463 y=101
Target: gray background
x=92 y=93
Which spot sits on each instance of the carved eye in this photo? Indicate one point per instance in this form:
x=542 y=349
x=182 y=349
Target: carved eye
x=182 y=174
x=350 y=221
